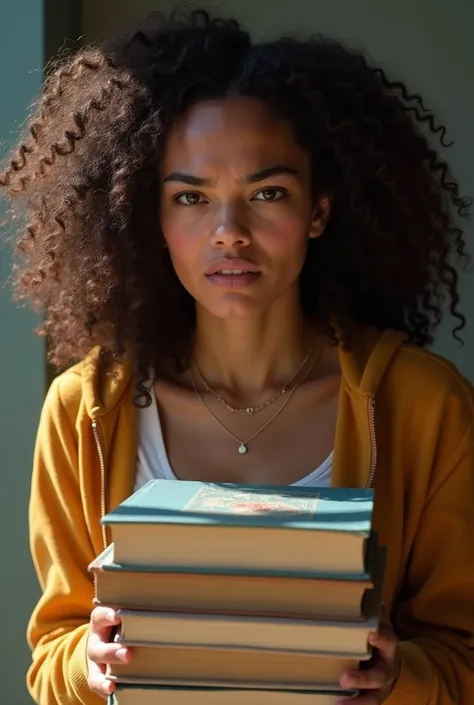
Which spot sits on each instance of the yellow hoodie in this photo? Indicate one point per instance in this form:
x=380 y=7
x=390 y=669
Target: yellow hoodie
x=405 y=426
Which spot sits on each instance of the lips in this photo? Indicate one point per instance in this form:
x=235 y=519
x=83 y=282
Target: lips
x=231 y=267
x=233 y=271
x=232 y=279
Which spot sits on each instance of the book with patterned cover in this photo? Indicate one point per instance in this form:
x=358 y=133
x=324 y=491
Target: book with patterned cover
x=248 y=528
x=172 y=502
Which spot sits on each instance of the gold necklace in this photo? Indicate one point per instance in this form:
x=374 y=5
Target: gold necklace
x=251 y=410
x=242 y=448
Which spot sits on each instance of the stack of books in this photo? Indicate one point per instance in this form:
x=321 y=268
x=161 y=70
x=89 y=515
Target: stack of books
x=232 y=594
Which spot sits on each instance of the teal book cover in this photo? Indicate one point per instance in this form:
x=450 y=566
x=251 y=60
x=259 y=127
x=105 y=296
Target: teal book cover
x=172 y=502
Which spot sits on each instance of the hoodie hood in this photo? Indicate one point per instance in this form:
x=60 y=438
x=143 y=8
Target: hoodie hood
x=363 y=367
x=104 y=388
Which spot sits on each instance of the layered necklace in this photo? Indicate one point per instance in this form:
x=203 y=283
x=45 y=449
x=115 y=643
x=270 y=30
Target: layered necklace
x=251 y=410
x=286 y=391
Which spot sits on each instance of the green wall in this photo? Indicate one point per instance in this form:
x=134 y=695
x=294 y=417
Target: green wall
x=31 y=31
x=427 y=42
x=22 y=367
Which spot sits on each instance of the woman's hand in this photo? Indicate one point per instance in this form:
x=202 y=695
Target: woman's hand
x=101 y=651
x=377 y=682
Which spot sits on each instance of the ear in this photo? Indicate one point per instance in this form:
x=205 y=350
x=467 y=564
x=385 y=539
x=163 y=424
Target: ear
x=321 y=213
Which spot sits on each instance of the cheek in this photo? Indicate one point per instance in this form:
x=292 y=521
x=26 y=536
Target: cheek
x=288 y=238
x=180 y=246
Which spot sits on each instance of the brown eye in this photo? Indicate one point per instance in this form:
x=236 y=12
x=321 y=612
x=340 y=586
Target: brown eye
x=190 y=198
x=269 y=194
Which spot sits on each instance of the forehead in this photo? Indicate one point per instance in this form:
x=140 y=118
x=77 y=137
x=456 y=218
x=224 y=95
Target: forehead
x=233 y=133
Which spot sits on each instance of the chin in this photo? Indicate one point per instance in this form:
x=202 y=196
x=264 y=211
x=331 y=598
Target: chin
x=234 y=305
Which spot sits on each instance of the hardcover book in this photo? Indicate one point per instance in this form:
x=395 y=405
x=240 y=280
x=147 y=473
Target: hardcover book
x=244 y=527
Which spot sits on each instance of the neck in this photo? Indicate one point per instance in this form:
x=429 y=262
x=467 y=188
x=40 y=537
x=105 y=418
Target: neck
x=249 y=356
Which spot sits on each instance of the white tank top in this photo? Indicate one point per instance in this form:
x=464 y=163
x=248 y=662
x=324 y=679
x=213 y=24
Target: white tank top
x=153 y=463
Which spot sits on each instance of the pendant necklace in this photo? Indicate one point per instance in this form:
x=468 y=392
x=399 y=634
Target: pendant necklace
x=243 y=444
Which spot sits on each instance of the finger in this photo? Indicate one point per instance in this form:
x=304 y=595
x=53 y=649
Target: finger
x=97 y=681
x=372 y=679
x=102 y=621
x=385 y=642
x=108 y=653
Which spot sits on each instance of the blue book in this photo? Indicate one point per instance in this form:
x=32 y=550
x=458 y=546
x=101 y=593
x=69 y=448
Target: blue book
x=220 y=526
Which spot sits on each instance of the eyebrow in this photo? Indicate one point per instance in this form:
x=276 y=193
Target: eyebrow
x=261 y=175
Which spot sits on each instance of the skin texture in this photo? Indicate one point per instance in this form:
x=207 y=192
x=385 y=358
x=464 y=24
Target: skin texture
x=267 y=220
x=378 y=681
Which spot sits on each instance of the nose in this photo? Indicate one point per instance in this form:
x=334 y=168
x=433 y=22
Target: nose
x=231 y=230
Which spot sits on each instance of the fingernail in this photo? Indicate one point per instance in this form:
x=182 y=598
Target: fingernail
x=350 y=681
x=122 y=654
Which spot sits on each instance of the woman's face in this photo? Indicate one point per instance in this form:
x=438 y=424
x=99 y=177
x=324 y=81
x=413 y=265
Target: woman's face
x=236 y=207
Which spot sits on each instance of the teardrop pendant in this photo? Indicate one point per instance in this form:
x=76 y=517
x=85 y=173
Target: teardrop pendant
x=250 y=410
x=242 y=448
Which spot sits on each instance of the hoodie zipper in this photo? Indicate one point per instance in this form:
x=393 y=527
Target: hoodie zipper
x=103 y=500
x=373 y=442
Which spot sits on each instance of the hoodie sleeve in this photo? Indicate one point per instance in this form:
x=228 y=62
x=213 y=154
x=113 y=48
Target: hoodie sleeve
x=61 y=549
x=435 y=616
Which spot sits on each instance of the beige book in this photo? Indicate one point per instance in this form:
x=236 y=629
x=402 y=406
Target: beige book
x=256 y=594
x=136 y=695
x=246 y=632
x=234 y=667
x=240 y=548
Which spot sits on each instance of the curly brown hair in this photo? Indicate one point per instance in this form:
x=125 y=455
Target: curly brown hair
x=91 y=256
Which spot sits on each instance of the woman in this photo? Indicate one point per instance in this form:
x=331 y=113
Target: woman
x=248 y=247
